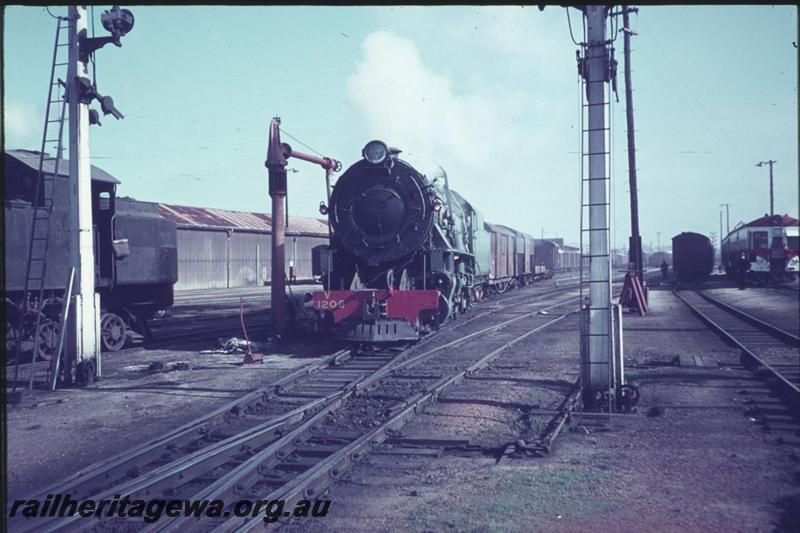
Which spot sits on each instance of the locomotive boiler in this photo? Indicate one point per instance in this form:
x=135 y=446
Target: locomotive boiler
x=402 y=256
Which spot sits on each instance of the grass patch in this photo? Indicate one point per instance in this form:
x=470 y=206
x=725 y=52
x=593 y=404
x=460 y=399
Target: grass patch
x=515 y=500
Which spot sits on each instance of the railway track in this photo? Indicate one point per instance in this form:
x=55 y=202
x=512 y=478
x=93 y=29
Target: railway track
x=285 y=439
x=261 y=420
x=772 y=353
x=301 y=464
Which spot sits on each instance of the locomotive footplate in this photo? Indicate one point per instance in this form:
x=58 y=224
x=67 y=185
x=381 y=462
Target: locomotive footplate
x=382 y=331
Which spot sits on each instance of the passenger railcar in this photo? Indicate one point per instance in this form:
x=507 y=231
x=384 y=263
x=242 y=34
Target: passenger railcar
x=134 y=249
x=757 y=239
x=692 y=256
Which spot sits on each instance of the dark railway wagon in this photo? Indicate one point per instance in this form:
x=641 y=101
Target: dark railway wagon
x=692 y=256
x=134 y=247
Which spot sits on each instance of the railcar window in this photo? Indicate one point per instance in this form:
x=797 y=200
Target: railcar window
x=760 y=239
x=793 y=242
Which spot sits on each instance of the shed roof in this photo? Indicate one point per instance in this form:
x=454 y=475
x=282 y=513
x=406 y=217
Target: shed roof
x=30 y=158
x=206 y=217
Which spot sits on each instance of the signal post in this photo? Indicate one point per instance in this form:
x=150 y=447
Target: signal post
x=83 y=348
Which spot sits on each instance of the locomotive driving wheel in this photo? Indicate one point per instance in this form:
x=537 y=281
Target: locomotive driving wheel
x=113 y=332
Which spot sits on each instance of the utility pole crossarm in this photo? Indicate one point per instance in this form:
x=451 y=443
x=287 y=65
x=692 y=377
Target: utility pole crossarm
x=771 y=187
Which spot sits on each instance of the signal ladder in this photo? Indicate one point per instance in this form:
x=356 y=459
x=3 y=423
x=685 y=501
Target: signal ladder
x=44 y=330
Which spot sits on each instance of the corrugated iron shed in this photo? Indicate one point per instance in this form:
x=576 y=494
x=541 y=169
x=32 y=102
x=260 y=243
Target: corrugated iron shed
x=206 y=217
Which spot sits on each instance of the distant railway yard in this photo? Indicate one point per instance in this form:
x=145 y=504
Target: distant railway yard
x=478 y=307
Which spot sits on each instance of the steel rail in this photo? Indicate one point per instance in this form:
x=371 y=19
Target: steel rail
x=205 y=454
x=771 y=329
x=408 y=363
x=311 y=481
x=103 y=466
x=256 y=463
x=785 y=388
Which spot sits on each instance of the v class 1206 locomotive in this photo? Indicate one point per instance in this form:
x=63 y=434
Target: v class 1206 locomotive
x=408 y=253
x=135 y=252
x=402 y=257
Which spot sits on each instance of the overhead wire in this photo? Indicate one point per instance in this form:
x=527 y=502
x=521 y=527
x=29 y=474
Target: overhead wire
x=301 y=142
x=707 y=120
x=569 y=23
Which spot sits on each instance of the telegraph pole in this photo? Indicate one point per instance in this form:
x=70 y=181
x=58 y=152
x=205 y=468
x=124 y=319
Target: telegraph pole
x=727 y=219
x=84 y=347
x=720 y=232
x=771 y=190
x=658 y=234
x=635 y=246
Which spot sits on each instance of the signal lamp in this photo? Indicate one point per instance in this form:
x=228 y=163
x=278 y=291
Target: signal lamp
x=117 y=21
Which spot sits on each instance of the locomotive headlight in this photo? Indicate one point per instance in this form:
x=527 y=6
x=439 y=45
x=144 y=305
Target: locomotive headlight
x=375 y=152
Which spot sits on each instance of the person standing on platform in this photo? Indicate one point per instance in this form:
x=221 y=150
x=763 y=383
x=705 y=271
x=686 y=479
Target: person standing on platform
x=777 y=259
x=742 y=267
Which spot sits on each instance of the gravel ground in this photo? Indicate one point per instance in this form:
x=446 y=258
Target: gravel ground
x=776 y=306
x=700 y=464
x=51 y=435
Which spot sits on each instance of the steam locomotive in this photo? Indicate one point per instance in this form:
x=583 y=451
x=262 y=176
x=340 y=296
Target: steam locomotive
x=135 y=252
x=408 y=253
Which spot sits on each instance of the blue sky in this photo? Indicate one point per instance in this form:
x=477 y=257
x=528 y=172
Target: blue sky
x=490 y=93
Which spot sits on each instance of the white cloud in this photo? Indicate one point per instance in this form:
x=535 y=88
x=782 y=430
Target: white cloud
x=22 y=125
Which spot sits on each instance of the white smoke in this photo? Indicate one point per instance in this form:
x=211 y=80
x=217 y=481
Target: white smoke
x=490 y=138
x=410 y=106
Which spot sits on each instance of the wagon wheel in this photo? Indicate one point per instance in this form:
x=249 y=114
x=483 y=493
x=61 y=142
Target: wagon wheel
x=113 y=331
x=47 y=338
